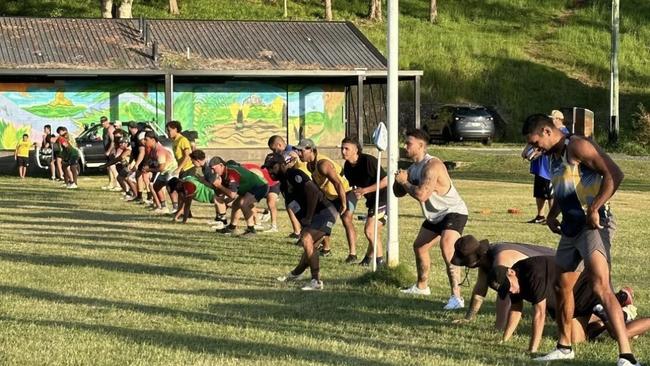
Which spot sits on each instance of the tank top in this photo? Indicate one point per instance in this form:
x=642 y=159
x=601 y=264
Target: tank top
x=323 y=182
x=436 y=207
x=575 y=187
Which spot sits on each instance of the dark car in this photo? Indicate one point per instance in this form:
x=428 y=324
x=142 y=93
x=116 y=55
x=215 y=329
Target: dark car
x=461 y=123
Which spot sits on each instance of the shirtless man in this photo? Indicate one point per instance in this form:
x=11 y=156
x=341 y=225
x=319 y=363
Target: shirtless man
x=445 y=214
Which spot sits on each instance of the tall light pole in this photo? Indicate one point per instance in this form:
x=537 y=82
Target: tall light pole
x=613 y=77
x=393 y=141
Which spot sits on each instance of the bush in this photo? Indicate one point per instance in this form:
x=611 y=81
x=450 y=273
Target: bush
x=641 y=126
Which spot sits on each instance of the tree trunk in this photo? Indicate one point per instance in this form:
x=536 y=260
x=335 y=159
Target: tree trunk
x=328 y=10
x=107 y=8
x=286 y=12
x=433 y=11
x=173 y=7
x=124 y=11
x=375 y=11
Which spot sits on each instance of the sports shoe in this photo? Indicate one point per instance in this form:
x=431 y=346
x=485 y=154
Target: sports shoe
x=116 y=189
x=624 y=362
x=227 y=230
x=314 y=285
x=250 y=231
x=272 y=229
x=266 y=216
x=629 y=313
x=71 y=186
x=455 y=303
x=107 y=188
x=351 y=259
x=289 y=277
x=161 y=210
x=53 y=178
x=129 y=198
x=415 y=290
x=325 y=252
x=259 y=227
x=556 y=354
x=625 y=296
x=365 y=262
x=537 y=220
x=294 y=236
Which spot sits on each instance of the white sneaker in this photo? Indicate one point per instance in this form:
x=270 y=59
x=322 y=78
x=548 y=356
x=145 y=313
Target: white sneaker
x=107 y=188
x=289 y=277
x=314 y=285
x=273 y=229
x=265 y=217
x=217 y=225
x=455 y=303
x=116 y=189
x=556 y=354
x=161 y=210
x=259 y=227
x=72 y=186
x=415 y=290
x=624 y=362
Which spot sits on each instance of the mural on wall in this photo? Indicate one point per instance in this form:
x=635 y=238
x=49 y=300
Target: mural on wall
x=27 y=107
x=225 y=115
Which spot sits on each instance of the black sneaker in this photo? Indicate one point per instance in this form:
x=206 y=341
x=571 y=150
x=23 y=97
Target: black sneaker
x=351 y=259
x=365 y=262
x=537 y=220
x=380 y=262
x=294 y=236
x=325 y=252
x=227 y=230
x=250 y=231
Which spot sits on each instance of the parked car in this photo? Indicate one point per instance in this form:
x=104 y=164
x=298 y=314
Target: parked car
x=91 y=146
x=460 y=123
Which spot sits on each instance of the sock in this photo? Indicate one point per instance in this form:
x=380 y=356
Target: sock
x=564 y=349
x=629 y=357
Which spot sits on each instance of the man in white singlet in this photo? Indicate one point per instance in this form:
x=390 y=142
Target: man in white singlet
x=445 y=214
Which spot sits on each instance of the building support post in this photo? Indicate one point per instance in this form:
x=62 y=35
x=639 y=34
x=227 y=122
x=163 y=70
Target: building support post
x=360 y=115
x=169 y=97
x=416 y=87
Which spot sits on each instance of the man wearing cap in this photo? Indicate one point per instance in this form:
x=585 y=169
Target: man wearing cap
x=278 y=146
x=445 y=214
x=533 y=280
x=329 y=178
x=584 y=179
x=316 y=213
x=242 y=186
x=161 y=165
x=471 y=253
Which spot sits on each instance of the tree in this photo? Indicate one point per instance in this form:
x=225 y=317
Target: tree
x=107 y=8
x=375 y=11
x=173 y=7
x=124 y=11
x=433 y=11
x=328 y=10
x=286 y=12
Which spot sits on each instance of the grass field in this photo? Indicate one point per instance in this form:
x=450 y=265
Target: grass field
x=88 y=279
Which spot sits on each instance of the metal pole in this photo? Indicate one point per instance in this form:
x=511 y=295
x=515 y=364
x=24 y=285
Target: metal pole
x=360 y=109
x=613 y=81
x=416 y=86
x=392 y=250
x=169 y=97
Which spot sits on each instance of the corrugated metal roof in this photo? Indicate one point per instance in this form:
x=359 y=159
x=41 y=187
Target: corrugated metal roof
x=116 y=44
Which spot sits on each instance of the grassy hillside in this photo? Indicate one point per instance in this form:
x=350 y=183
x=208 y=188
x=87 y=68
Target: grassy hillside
x=520 y=56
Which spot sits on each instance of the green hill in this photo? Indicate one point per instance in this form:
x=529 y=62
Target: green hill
x=519 y=56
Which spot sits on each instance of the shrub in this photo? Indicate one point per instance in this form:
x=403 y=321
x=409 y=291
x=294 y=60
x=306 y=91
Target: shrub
x=641 y=126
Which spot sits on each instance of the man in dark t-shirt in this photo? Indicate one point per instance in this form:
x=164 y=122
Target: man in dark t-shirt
x=316 y=213
x=361 y=172
x=533 y=280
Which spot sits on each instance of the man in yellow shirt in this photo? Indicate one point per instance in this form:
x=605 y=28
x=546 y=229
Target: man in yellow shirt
x=182 y=148
x=21 y=155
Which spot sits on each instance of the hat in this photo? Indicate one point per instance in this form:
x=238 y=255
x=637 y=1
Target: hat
x=557 y=114
x=272 y=159
x=141 y=135
x=216 y=161
x=133 y=124
x=498 y=279
x=305 y=144
x=468 y=251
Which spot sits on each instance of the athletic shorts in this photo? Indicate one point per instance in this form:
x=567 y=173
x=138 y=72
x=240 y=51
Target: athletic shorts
x=572 y=250
x=275 y=189
x=187 y=173
x=259 y=191
x=451 y=221
x=351 y=202
x=542 y=188
x=123 y=171
x=381 y=213
x=159 y=180
x=324 y=220
x=22 y=160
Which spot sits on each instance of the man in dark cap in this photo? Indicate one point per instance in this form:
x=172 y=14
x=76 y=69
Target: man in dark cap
x=472 y=253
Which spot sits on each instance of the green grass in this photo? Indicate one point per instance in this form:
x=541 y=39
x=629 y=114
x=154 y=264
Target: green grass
x=88 y=279
x=519 y=56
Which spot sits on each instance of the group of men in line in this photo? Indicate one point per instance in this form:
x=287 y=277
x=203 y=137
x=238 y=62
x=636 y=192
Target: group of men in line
x=572 y=283
x=60 y=152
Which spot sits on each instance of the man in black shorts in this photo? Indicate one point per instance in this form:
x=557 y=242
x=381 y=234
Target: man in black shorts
x=361 y=172
x=315 y=212
x=533 y=280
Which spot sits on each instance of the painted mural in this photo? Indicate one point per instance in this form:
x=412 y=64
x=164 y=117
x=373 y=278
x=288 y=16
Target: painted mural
x=232 y=114
x=236 y=114
x=27 y=107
